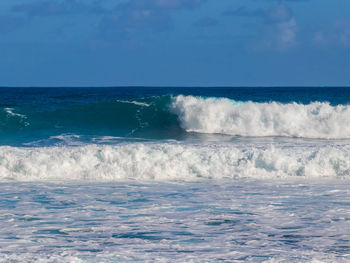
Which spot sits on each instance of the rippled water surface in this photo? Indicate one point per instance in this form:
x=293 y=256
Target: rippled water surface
x=238 y=221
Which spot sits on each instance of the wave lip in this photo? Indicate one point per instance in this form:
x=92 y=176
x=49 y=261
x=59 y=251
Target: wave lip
x=173 y=162
x=315 y=120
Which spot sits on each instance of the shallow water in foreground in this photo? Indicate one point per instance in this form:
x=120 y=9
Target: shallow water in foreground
x=237 y=221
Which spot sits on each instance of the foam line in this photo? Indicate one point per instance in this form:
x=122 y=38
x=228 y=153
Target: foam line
x=172 y=162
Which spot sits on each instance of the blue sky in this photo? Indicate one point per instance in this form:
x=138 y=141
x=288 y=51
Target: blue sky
x=174 y=42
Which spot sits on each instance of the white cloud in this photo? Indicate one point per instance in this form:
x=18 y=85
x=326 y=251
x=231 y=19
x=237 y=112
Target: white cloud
x=280 y=29
x=133 y=17
x=335 y=34
x=287 y=33
x=278 y=14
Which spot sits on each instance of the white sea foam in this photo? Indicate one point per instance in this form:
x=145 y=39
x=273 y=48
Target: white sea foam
x=161 y=222
x=173 y=162
x=138 y=103
x=11 y=112
x=23 y=118
x=315 y=120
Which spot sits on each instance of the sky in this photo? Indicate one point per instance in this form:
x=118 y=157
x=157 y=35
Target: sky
x=174 y=43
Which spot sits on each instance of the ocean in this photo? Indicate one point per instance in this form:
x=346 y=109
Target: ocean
x=170 y=174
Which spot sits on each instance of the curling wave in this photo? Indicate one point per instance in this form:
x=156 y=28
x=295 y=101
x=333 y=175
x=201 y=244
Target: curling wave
x=175 y=117
x=142 y=118
x=173 y=162
x=225 y=116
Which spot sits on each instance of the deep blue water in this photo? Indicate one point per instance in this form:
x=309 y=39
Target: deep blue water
x=55 y=96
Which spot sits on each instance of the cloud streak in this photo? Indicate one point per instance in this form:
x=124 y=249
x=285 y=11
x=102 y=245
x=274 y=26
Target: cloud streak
x=11 y=23
x=119 y=22
x=281 y=27
x=137 y=16
x=336 y=34
x=278 y=26
x=206 y=22
x=243 y=11
x=57 y=8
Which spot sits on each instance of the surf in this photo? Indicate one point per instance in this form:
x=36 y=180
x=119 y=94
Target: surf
x=174 y=162
x=317 y=120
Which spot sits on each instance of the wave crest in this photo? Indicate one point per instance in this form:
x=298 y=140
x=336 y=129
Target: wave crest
x=224 y=116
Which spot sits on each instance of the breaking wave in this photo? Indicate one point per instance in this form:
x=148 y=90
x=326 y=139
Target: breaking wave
x=173 y=162
x=224 y=116
x=175 y=117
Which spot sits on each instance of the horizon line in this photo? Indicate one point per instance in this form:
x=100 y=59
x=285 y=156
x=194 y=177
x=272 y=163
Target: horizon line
x=183 y=86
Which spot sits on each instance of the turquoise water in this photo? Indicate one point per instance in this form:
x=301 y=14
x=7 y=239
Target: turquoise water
x=174 y=174
x=41 y=115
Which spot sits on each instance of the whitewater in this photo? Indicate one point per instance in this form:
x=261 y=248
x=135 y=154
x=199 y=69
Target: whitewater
x=225 y=116
x=174 y=174
x=174 y=162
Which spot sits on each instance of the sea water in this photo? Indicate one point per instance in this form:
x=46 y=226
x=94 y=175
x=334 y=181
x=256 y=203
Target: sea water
x=174 y=174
